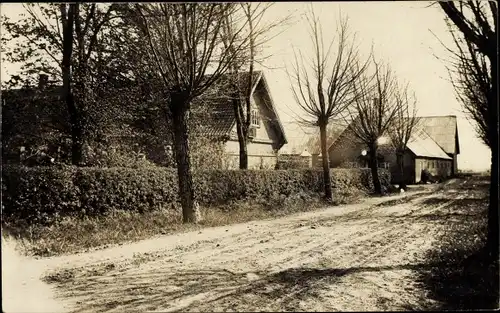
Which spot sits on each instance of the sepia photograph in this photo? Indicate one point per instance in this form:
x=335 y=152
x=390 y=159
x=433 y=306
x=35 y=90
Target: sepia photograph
x=249 y=156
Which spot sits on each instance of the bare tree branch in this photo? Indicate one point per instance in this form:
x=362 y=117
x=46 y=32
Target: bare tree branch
x=183 y=41
x=374 y=110
x=329 y=91
x=474 y=72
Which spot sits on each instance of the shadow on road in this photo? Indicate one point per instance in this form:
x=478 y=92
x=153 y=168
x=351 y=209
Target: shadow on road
x=461 y=285
x=468 y=281
x=290 y=286
x=455 y=273
x=220 y=290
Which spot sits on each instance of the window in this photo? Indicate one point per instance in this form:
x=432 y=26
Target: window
x=255 y=118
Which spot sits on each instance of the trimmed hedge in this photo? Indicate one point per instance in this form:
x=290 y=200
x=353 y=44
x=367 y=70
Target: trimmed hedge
x=40 y=194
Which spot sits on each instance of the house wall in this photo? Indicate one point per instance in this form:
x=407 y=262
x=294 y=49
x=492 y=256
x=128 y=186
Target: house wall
x=454 y=169
x=455 y=165
x=260 y=153
x=294 y=161
x=408 y=169
x=346 y=148
x=411 y=174
x=454 y=154
x=316 y=160
x=261 y=149
x=437 y=167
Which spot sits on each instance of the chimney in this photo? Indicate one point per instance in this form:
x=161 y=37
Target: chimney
x=42 y=81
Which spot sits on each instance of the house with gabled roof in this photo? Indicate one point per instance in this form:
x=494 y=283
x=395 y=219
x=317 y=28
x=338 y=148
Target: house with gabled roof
x=434 y=146
x=267 y=134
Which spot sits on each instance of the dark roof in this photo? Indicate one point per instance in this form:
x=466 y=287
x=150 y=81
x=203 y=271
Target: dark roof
x=219 y=109
x=220 y=118
x=343 y=131
x=242 y=77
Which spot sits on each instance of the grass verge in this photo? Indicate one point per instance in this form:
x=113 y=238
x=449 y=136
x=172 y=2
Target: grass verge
x=77 y=234
x=467 y=281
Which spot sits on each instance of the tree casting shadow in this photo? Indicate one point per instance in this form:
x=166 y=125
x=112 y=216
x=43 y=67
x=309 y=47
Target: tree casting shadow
x=466 y=282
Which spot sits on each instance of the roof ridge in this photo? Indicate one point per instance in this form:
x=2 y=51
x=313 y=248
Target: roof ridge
x=428 y=116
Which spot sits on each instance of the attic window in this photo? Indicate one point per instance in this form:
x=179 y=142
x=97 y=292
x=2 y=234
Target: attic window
x=255 y=118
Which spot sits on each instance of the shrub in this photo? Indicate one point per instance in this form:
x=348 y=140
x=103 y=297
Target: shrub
x=115 y=156
x=285 y=162
x=206 y=153
x=42 y=194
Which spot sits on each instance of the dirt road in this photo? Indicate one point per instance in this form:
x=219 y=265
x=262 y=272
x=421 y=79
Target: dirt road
x=355 y=257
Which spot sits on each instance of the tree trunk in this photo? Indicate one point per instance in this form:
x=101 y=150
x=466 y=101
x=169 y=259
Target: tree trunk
x=242 y=138
x=76 y=129
x=400 y=162
x=180 y=119
x=325 y=161
x=80 y=95
x=243 y=152
x=374 y=167
x=493 y=218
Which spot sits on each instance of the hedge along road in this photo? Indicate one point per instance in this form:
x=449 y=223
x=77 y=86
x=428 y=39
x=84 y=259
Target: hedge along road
x=353 y=257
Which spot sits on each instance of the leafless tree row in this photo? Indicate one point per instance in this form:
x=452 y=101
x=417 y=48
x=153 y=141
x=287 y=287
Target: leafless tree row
x=338 y=82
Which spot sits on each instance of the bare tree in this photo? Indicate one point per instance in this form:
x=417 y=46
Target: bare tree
x=183 y=42
x=402 y=126
x=373 y=111
x=472 y=87
x=242 y=75
x=327 y=93
x=476 y=82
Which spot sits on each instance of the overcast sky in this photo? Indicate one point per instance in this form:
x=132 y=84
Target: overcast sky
x=402 y=35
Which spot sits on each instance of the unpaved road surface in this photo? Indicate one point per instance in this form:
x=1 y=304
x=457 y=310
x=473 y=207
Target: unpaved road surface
x=354 y=257
x=22 y=289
